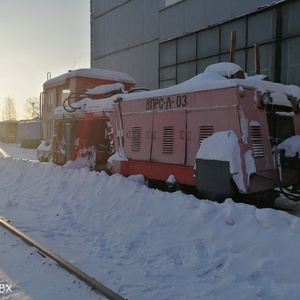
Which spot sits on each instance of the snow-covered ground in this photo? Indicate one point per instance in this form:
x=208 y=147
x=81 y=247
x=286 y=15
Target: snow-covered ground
x=141 y=243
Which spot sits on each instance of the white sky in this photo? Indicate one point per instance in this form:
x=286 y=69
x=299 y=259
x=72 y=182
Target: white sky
x=36 y=37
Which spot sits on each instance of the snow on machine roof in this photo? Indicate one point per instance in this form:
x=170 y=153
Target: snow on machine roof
x=90 y=73
x=214 y=77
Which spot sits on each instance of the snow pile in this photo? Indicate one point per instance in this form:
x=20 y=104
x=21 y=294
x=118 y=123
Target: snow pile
x=140 y=242
x=280 y=99
x=106 y=88
x=85 y=159
x=87 y=105
x=250 y=163
x=225 y=69
x=293 y=90
x=291 y=146
x=226 y=148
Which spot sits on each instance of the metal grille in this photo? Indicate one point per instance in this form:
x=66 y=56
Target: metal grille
x=168 y=139
x=136 y=138
x=257 y=145
x=205 y=131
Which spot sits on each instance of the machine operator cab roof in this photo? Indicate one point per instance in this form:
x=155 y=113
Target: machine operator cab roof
x=77 y=78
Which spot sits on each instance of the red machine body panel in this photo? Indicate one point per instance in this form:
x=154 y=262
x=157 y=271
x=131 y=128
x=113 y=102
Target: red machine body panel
x=170 y=129
x=169 y=137
x=138 y=135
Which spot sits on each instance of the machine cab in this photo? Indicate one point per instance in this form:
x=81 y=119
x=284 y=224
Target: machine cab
x=57 y=90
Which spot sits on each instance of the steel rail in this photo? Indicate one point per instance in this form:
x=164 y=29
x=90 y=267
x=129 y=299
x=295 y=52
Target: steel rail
x=2 y=152
x=96 y=285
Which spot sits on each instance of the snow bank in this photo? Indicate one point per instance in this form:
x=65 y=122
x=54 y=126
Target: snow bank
x=144 y=243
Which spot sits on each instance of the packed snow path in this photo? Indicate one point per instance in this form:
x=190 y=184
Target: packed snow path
x=143 y=243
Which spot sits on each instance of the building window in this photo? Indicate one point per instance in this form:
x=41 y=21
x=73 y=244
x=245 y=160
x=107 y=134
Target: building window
x=186 y=48
x=262 y=28
x=168 y=54
x=208 y=42
x=276 y=30
x=186 y=71
x=267 y=55
x=65 y=93
x=290 y=25
x=290 y=72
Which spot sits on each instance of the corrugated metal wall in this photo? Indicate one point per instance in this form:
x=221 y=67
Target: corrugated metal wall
x=163 y=42
x=193 y=15
x=125 y=38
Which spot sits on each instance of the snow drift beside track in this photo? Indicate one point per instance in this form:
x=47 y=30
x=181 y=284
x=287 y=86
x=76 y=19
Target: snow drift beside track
x=147 y=244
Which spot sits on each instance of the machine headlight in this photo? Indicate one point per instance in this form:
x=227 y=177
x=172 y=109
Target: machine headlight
x=265 y=99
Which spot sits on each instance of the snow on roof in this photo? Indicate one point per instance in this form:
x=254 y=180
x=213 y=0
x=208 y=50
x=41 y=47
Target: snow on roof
x=280 y=99
x=211 y=79
x=9 y=121
x=291 y=146
x=91 y=73
x=87 y=105
x=201 y=82
x=106 y=88
x=225 y=69
x=24 y=122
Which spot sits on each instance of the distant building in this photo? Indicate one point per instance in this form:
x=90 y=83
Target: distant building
x=164 y=42
x=8 y=131
x=28 y=133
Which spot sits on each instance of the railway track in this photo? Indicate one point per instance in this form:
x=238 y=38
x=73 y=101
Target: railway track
x=94 y=284
x=3 y=153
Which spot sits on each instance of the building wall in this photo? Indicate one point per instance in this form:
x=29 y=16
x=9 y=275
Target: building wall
x=124 y=37
x=164 y=42
x=192 y=15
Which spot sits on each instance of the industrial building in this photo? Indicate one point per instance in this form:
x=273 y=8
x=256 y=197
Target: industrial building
x=164 y=42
